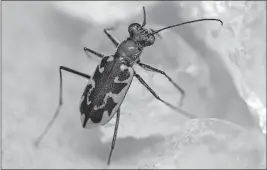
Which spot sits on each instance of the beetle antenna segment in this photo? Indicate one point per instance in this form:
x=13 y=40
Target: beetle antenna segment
x=144 y=21
x=157 y=31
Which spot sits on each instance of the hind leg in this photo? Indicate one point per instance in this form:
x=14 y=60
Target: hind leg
x=39 y=139
x=114 y=136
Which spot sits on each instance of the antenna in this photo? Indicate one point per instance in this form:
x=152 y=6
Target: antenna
x=157 y=31
x=144 y=12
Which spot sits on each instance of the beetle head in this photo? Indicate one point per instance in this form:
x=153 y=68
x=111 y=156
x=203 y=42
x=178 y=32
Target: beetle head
x=145 y=37
x=142 y=36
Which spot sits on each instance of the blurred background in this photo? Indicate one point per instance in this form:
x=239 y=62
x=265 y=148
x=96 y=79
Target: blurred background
x=221 y=68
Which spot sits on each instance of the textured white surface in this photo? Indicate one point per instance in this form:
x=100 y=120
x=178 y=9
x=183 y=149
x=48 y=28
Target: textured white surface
x=211 y=144
x=219 y=68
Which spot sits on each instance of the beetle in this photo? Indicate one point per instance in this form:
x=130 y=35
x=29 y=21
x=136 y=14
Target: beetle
x=108 y=86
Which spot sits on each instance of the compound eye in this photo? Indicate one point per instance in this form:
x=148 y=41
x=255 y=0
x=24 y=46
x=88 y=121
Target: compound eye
x=150 y=40
x=133 y=28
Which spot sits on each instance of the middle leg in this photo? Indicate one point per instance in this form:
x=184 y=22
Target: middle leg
x=93 y=52
x=150 y=68
x=163 y=101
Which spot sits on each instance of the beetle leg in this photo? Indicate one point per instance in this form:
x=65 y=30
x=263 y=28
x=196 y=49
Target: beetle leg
x=60 y=100
x=93 y=52
x=150 y=68
x=113 y=39
x=114 y=135
x=157 y=97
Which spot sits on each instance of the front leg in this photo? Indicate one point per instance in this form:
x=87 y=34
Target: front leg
x=113 y=39
x=150 y=68
x=51 y=122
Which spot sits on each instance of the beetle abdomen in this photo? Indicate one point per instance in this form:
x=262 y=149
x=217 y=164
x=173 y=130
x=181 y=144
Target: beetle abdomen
x=105 y=91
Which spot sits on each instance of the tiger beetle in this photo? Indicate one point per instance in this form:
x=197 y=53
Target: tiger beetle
x=112 y=78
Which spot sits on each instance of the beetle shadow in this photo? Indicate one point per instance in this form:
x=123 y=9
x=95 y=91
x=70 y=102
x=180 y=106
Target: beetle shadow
x=127 y=147
x=91 y=146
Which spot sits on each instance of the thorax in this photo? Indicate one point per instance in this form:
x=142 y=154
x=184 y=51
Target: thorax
x=129 y=51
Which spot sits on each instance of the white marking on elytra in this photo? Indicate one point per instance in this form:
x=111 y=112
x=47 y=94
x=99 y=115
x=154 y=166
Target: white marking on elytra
x=82 y=99
x=110 y=59
x=116 y=80
x=101 y=69
x=117 y=98
x=96 y=108
x=123 y=67
x=92 y=82
x=82 y=117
